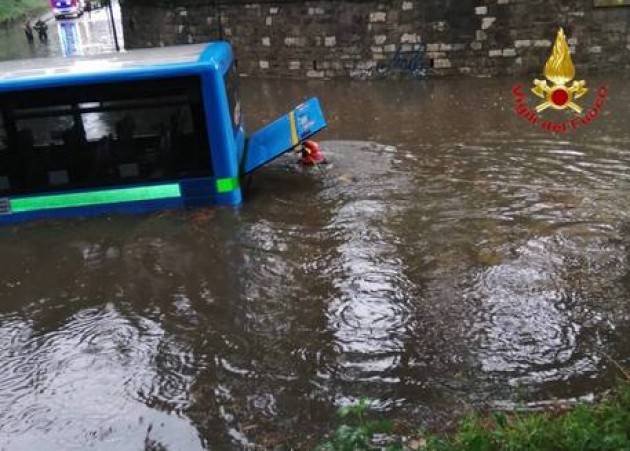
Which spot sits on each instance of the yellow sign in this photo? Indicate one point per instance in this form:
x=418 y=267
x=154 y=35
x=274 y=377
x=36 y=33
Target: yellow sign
x=559 y=72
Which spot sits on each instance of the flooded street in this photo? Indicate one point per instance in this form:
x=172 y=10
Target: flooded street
x=87 y=35
x=450 y=256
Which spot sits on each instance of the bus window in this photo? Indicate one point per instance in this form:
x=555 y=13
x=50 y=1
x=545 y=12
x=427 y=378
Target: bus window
x=109 y=134
x=44 y=145
x=45 y=131
x=149 y=138
x=234 y=101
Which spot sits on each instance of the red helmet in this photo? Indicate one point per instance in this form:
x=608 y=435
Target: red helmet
x=313 y=153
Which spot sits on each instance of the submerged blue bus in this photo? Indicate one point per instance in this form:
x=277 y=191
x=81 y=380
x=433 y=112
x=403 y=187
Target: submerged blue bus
x=131 y=132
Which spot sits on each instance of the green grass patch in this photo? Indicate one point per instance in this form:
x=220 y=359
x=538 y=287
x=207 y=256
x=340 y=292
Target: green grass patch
x=15 y=9
x=601 y=426
x=359 y=433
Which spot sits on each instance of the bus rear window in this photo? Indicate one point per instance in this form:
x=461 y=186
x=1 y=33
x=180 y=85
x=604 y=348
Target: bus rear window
x=100 y=135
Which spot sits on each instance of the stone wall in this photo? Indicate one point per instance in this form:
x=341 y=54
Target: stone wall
x=388 y=39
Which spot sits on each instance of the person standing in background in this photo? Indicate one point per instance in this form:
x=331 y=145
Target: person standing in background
x=42 y=30
x=28 y=31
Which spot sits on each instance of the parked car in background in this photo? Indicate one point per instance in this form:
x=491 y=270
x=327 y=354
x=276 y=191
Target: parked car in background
x=63 y=9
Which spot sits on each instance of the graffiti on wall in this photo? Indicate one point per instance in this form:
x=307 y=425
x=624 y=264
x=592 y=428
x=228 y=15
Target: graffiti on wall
x=406 y=64
x=411 y=63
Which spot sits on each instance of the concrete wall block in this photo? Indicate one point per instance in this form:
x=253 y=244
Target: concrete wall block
x=410 y=38
x=315 y=73
x=481 y=10
x=295 y=41
x=379 y=16
x=442 y=63
x=366 y=65
x=487 y=22
x=380 y=39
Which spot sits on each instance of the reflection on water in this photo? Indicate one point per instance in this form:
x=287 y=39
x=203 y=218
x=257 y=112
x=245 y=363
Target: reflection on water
x=449 y=255
x=70 y=37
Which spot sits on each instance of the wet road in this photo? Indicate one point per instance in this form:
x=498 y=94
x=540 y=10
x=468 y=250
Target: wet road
x=90 y=34
x=451 y=255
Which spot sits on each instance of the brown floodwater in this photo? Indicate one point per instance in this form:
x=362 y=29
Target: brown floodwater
x=451 y=256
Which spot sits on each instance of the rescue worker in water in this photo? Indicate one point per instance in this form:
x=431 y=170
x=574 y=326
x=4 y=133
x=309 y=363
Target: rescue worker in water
x=311 y=154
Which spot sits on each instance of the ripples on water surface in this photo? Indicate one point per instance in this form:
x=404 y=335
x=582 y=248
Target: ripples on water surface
x=451 y=255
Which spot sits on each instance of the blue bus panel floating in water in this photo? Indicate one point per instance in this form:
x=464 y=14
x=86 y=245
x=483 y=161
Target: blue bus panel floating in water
x=131 y=132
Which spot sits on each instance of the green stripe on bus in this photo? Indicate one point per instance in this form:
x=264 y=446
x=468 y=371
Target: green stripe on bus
x=110 y=196
x=228 y=184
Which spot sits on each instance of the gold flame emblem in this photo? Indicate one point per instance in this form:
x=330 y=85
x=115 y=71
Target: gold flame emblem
x=559 y=71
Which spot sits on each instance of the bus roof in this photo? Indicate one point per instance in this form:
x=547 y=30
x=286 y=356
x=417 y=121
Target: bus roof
x=132 y=64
